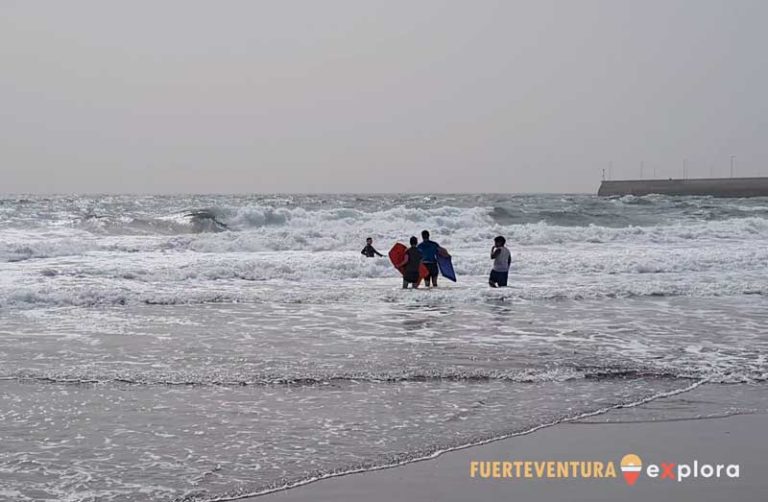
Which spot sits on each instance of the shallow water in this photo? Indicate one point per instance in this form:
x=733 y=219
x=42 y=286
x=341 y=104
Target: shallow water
x=150 y=350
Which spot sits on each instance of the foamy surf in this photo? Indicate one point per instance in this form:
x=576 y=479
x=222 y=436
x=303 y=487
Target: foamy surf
x=215 y=347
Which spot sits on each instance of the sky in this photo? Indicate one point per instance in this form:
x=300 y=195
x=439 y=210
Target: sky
x=177 y=96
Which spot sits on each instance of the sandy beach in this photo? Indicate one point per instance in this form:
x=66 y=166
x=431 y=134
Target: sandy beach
x=707 y=439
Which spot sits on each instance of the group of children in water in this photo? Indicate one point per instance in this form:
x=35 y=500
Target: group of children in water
x=426 y=253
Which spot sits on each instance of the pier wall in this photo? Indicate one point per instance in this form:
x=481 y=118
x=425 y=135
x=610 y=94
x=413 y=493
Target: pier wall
x=718 y=187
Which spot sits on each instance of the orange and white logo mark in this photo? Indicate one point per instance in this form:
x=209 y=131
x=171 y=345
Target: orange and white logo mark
x=631 y=465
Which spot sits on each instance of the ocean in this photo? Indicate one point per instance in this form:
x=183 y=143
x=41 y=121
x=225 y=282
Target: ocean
x=210 y=347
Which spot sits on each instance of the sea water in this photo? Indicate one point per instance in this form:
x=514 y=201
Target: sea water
x=209 y=347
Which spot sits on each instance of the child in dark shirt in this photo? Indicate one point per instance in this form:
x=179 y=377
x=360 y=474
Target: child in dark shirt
x=369 y=251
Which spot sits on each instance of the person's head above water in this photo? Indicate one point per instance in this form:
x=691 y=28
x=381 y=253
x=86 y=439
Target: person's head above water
x=499 y=241
x=369 y=240
x=425 y=235
x=414 y=241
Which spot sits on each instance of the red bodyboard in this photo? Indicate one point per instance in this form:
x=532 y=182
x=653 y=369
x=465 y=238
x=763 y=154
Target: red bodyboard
x=397 y=255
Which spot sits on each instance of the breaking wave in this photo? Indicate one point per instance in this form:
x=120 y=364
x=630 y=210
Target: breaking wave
x=323 y=231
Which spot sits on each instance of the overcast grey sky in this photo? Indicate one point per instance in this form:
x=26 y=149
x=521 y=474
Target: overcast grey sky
x=375 y=96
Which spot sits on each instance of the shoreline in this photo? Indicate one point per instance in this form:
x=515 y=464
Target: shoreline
x=429 y=456
x=720 y=438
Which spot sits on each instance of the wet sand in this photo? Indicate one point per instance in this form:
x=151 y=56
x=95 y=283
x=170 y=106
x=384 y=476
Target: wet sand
x=735 y=439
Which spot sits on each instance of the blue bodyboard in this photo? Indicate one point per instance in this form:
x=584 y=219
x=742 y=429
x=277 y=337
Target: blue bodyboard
x=446 y=267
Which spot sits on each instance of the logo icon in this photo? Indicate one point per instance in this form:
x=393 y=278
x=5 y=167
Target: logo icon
x=631 y=465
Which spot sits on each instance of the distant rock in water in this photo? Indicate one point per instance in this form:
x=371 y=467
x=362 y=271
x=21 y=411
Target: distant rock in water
x=205 y=220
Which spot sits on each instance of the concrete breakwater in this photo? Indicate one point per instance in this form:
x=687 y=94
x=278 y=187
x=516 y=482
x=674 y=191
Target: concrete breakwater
x=718 y=187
